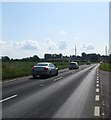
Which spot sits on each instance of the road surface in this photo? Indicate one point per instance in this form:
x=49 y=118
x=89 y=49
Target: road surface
x=71 y=94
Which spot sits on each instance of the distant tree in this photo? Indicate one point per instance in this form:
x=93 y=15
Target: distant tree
x=52 y=56
x=25 y=59
x=47 y=56
x=84 y=56
x=109 y=59
x=94 y=57
x=36 y=58
x=5 y=58
x=60 y=55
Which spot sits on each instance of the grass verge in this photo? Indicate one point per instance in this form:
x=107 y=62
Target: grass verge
x=105 y=67
x=14 y=69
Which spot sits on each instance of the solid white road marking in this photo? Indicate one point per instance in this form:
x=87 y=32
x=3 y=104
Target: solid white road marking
x=97 y=111
x=57 y=79
x=97 y=98
x=8 y=98
x=97 y=89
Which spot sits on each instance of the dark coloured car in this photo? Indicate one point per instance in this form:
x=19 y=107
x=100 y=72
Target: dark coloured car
x=73 y=65
x=44 y=69
x=88 y=63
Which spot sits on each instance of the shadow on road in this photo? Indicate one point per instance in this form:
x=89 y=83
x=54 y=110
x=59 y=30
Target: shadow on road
x=39 y=78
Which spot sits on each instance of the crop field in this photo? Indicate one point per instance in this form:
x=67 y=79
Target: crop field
x=105 y=67
x=14 y=69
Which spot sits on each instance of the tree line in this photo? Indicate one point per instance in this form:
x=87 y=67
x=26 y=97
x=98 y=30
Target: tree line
x=93 y=57
x=31 y=59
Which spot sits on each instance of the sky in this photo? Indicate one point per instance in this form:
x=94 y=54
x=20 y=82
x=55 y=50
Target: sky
x=36 y=28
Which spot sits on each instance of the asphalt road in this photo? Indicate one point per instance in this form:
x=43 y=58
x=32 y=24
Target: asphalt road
x=71 y=94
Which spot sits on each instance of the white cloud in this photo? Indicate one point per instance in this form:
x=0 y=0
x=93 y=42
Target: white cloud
x=62 y=45
x=27 y=48
x=62 y=32
x=88 y=47
x=50 y=44
x=2 y=44
x=76 y=38
x=25 y=45
x=18 y=49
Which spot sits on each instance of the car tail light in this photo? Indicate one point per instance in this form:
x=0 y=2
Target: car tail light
x=45 y=68
x=33 y=68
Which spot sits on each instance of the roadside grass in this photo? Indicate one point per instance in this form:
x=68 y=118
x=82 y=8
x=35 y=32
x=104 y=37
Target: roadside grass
x=61 y=65
x=105 y=67
x=14 y=69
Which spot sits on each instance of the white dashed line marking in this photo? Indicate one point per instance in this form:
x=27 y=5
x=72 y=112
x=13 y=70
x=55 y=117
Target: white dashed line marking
x=97 y=98
x=8 y=98
x=103 y=114
x=97 y=85
x=97 y=89
x=57 y=79
x=97 y=81
x=42 y=85
x=97 y=111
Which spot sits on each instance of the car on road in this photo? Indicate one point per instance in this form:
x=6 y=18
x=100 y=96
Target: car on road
x=73 y=65
x=88 y=63
x=44 y=69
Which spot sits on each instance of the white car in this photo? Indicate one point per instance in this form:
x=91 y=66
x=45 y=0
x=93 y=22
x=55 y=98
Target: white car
x=44 y=69
x=73 y=65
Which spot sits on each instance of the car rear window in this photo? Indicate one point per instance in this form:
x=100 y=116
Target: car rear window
x=42 y=64
x=72 y=63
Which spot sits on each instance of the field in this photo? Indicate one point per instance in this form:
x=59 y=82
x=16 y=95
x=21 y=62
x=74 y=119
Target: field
x=105 y=67
x=14 y=69
x=18 y=69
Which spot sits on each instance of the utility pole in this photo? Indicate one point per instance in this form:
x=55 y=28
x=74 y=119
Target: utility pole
x=75 y=51
x=106 y=50
x=106 y=54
